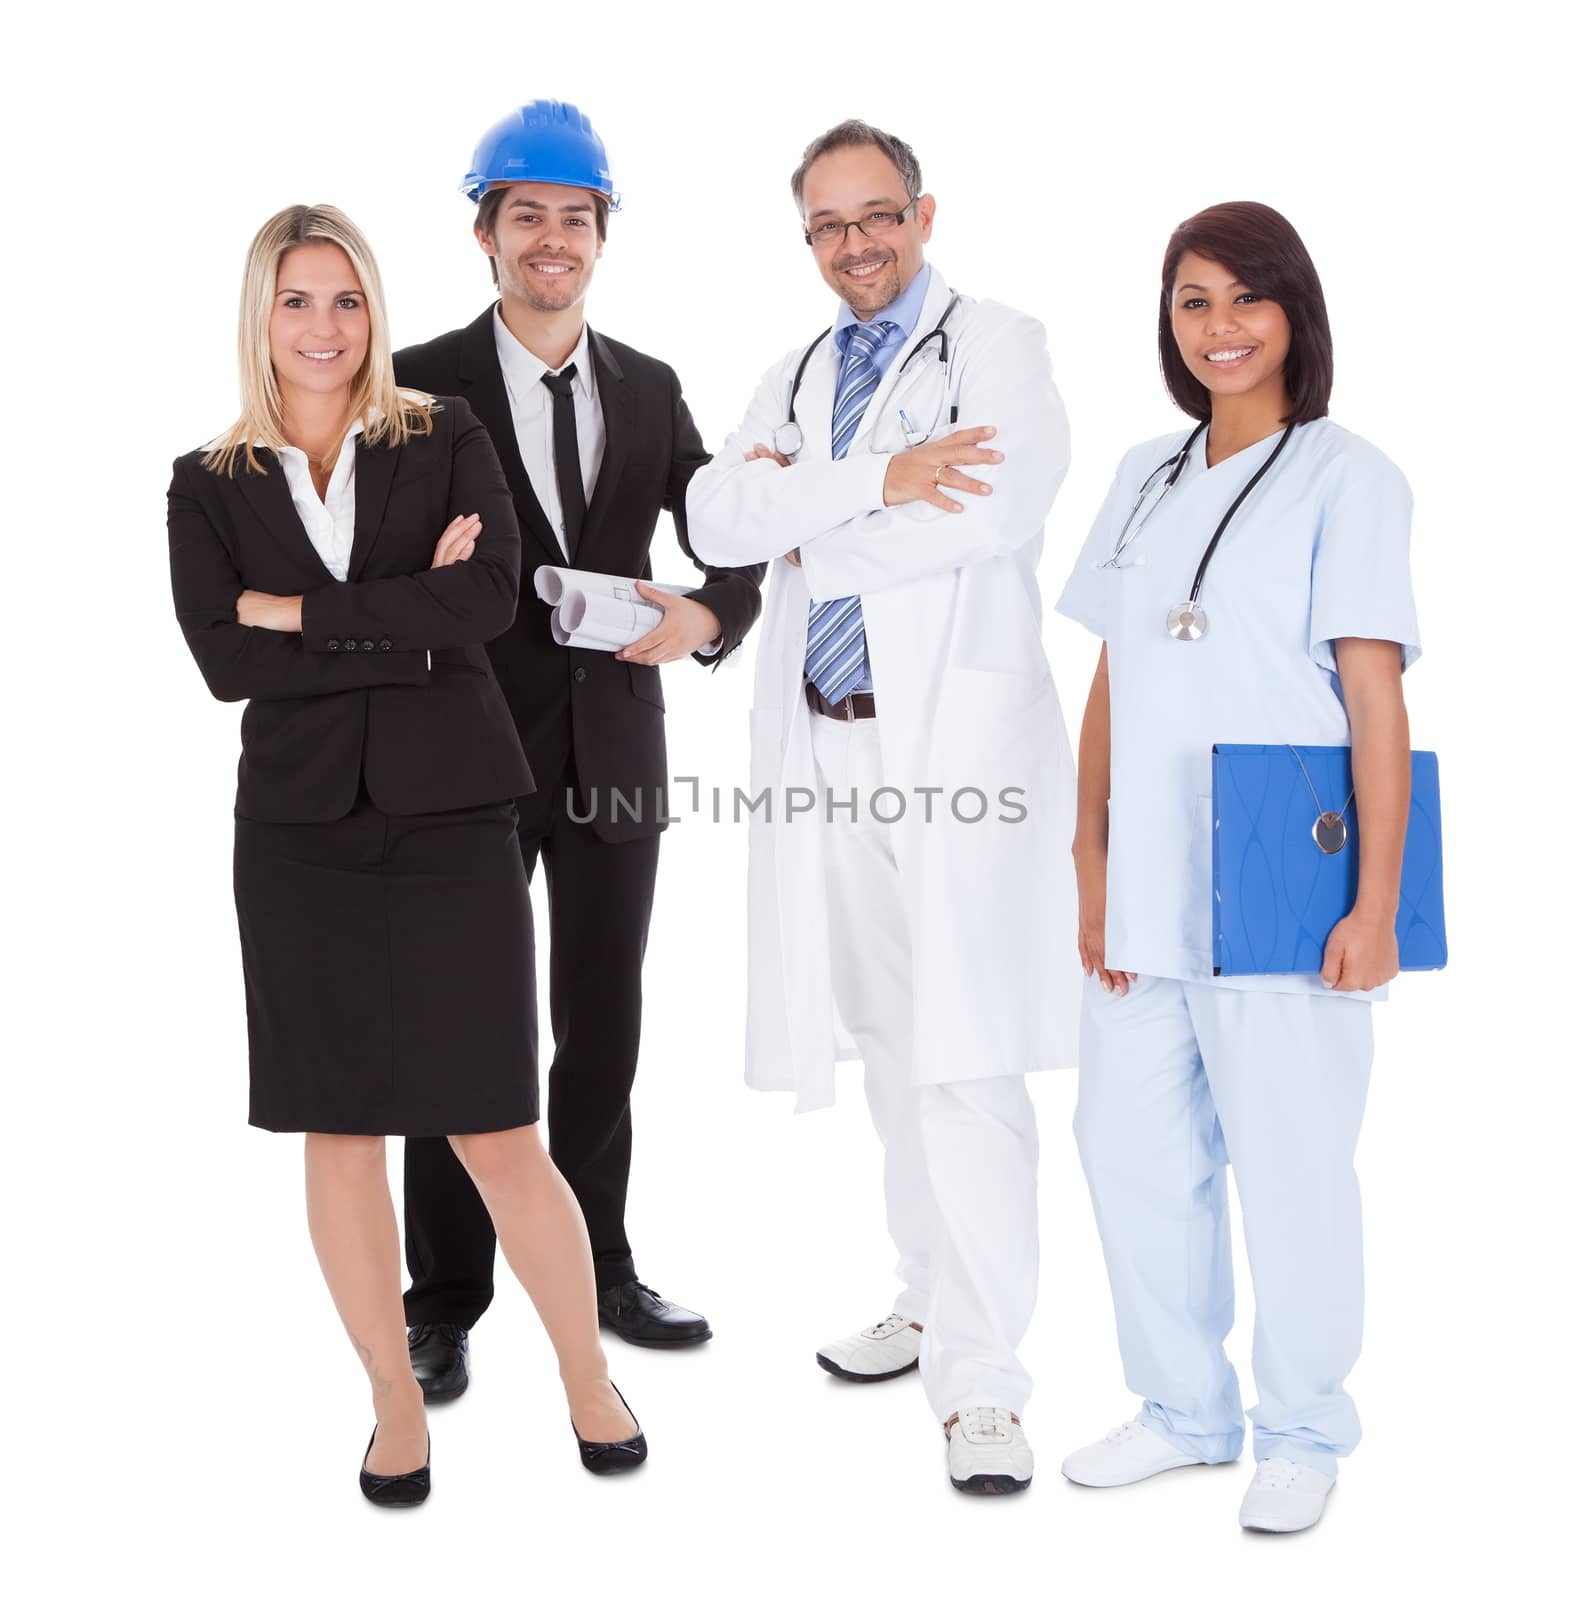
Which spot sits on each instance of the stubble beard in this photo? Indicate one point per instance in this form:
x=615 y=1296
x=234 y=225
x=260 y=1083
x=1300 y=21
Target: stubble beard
x=872 y=295
x=543 y=296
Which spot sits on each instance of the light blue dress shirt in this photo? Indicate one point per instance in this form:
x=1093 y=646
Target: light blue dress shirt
x=903 y=314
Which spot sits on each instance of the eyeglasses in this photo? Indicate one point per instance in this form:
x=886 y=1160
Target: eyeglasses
x=873 y=225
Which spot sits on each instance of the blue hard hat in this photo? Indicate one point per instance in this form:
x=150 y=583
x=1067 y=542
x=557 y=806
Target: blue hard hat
x=546 y=141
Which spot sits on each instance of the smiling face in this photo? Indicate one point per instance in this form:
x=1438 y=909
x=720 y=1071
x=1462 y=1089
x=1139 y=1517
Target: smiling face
x=1231 y=340
x=848 y=185
x=319 y=322
x=545 y=243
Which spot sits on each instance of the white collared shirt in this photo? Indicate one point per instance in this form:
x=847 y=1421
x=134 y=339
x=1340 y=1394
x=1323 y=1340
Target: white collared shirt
x=328 y=522
x=533 y=419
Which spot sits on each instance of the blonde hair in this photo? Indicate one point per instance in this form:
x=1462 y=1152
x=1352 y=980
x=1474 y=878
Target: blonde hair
x=390 y=415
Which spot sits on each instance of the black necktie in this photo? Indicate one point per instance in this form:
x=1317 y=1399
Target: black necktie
x=569 y=467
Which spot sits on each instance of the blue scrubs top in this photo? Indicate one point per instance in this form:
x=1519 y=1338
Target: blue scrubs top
x=1319 y=551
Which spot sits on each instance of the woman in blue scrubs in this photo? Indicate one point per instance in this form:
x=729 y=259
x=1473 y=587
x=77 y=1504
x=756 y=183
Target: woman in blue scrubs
x=1300 y=631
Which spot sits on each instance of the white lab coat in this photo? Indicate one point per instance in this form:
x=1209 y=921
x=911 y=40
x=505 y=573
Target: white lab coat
x=952 y=614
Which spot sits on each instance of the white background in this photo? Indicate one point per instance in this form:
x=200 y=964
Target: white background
x=184 y=1411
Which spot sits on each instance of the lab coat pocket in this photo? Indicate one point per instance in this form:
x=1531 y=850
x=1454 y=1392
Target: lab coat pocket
x=1197 y=899
x=998 y=755
x=991 y=869
x=988 y=728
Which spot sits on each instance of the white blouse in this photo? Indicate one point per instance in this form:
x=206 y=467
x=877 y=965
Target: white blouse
x=328 y=522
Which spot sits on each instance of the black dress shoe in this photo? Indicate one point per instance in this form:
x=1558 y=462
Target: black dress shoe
x=400 y=1489
x=621 y=1456
x=633 y=1311
x=439 y=1354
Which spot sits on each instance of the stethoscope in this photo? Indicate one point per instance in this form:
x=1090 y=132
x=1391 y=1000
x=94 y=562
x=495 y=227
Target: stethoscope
x=789 y=436
x=1187 y=619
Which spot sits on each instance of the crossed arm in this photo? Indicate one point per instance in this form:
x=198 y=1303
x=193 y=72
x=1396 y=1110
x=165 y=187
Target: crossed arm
x=255 y=646
x=869 y=522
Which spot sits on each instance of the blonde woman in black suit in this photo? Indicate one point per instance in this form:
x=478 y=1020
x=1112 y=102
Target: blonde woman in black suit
x=380 y=895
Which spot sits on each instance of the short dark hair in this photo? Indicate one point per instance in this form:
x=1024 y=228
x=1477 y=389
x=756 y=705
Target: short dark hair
x=847 y=135
x=1263 y=250
x=484 y=220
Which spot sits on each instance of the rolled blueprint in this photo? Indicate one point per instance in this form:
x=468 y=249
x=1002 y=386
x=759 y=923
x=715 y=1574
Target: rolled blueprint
x=596 y=611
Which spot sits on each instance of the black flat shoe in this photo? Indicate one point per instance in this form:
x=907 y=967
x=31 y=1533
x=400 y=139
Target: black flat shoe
x=438 y=1352
x=622 y=1456
x=633 y=1311
x=398 y=1490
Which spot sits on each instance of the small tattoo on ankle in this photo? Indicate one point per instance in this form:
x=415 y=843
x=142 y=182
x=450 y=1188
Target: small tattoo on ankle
x=382 y=1384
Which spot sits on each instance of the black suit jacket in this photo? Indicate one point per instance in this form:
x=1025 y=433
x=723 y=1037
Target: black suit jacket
x=583 y=710
x=389 y=678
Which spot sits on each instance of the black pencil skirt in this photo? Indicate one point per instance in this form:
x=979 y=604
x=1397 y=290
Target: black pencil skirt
x=389 y=968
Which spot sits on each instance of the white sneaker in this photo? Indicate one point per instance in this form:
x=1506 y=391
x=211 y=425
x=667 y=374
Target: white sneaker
x=887 y=1350
x=1284 y=1497
x=1126 y=1455
x=987 y=1452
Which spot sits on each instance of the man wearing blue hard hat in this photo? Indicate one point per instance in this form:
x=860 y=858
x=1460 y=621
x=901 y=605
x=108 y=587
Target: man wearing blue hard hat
x=596 y=442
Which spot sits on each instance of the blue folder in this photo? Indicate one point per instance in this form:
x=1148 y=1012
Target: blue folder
x=1275 y=895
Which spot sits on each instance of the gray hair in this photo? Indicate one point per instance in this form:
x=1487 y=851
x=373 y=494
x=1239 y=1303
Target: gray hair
x=856 y=132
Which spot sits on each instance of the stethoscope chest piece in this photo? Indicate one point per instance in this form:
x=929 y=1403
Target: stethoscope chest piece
x=1187 y=621
x=1330 y=832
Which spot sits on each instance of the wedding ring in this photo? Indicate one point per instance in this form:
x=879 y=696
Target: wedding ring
x=939 y=470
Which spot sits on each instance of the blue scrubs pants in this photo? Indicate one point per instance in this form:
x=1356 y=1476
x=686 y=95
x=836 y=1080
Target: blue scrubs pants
x=1177 y=1082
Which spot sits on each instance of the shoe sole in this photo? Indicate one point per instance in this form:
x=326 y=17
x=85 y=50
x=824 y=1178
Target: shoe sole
x=1127 y=1483
x=615 y=1468
x=396 y=1505
x=991 y=1483
x=453 y=1391
x=658 y=1344
x=863 y=1377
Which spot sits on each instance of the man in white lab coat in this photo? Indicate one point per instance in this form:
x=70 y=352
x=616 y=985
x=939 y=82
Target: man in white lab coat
x=911 y=790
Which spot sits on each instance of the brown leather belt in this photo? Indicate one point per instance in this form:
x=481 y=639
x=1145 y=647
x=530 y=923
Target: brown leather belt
x=853 y=708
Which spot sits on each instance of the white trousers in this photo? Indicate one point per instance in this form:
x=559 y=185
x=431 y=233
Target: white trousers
x=960 y=1158
x=1176 y=1081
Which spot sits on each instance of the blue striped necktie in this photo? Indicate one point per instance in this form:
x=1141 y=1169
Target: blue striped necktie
x=835 y=654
